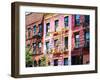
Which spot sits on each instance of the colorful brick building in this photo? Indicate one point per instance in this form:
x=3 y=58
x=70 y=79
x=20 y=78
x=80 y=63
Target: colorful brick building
x=56 y=35
x=62 y=39
x=34 y=36
x=80 y=39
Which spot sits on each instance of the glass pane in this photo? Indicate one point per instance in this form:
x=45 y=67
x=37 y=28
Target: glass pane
x=47 y=27
x=56 y=23
x=65 y=61
x=77 y=16
x=47 y=45
x=66 y=19
x=39 y=44
x=40 y=27
x=34 y=29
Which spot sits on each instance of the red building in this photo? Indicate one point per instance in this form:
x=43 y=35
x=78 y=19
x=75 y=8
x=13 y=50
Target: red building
x=80 y=39
x=34 y=36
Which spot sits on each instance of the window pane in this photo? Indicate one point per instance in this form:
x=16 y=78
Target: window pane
x=65 y=61
x=47 y=27
x=77 y=20
x=56 y=24
x=56 y=62
x=77 y=16
x=34 y=29
x=34 y=45
x=40 y=45
x=87 y=19
x=47 y=45
x=87 y=35
x=66 y=42
x=55 y=42
x=77 y=40
x=77 y=36
x=66 y=21
x=40 y=28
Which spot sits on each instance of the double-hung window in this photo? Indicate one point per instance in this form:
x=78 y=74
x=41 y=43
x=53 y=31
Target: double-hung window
x=47 y=46
x=56 y=24
x=77 y=20
x=34 y=29
x=40 y=29
x=34 y=48
x=87 y=19
x=87 y=39
x=66 y=42
x=77 y=40
x=47 y=28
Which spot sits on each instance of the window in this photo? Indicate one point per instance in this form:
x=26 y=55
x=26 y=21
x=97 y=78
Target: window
x=48 y=63
x=65 y=61
x=66 y=42
x=40 y=28
x=77 y=20
x=76 y=60
x=39 y=62
x=47 y=46
x=77 y=40
x=29 y=32
x=34 y=29
x=40 y=45
x=87 y=38
x=66 y=21
x=87 y=19
x=56 y=62
x=56 y=24
x=34 y=48
x=35 y=63
x=34 y=51
x=47 y=27
x=34 y=44
x=56 y=43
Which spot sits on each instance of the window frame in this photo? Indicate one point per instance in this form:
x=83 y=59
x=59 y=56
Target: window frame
x=66 y=21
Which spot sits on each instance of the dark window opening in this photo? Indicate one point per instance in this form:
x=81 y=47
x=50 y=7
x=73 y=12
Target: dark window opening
x=56 y=62
x=87 y=19
x=65 y=61
x=40 y=29
x=56 y=43
x=66 y=42
x=39 y=62
x=35 y=63
x=34 y=48
x=76 y=60
x=77 y=40
x=87 y=38
x=49 y=63
x=34 y=29
x=34 y=45
x=47 y=28
x=47 y=46
x=66 y=21
x=56 y=24
x=77 y=20
x=39 y=45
